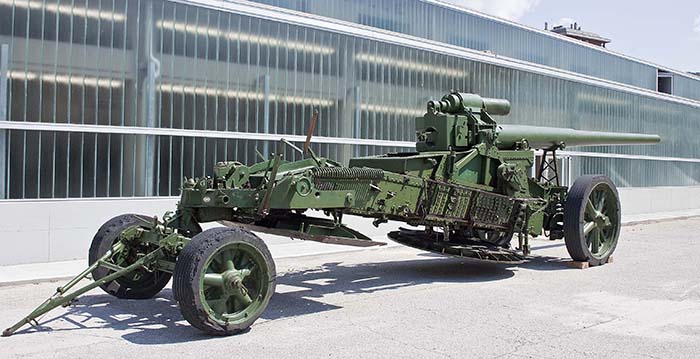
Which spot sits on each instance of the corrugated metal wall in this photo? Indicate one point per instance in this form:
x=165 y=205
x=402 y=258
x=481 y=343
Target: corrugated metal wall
x=169 y=65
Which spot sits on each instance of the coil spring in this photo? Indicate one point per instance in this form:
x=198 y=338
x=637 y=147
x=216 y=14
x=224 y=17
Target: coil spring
x=357 y=179
x=348 y=173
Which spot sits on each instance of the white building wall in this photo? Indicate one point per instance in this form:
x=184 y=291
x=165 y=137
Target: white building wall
x=36 y=231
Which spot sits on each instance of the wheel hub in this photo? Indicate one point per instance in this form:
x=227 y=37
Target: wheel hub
x=601 y=221
x=233 y=282
x=226 y=289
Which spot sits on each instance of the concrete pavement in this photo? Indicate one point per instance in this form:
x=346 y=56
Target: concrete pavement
x=400 y=302
x=280 y=247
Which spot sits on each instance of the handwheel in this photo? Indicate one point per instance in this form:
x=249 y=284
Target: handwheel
x=139 y=284
x=592 y=219
x=224 y=279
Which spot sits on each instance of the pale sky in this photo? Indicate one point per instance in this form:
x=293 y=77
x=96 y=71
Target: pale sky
x=666 y=33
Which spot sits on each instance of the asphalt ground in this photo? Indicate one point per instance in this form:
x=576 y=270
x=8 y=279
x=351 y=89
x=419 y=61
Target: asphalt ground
x=400 y=302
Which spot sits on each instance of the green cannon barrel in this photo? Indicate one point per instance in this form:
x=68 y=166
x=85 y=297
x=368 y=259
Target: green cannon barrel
x=456 y=102
x=557 y=138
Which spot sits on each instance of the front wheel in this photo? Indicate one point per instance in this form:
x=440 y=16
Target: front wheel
x=139 y=284
x=592 y=219
x=223 y=280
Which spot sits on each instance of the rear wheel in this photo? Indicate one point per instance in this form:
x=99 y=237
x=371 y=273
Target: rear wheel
x=592 y=219
x=139 y=284
x=224 y=279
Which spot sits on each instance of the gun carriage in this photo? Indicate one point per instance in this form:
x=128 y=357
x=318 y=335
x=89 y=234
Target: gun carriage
x=465 y=190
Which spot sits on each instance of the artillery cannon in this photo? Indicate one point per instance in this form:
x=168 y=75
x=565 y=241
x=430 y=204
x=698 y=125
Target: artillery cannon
x=466 y=189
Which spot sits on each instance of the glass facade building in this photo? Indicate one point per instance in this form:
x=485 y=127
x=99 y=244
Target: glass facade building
x=428 y=19
x=123 y=98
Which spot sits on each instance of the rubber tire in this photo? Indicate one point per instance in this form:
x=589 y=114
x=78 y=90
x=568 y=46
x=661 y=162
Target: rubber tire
x=190 y=264
x=150 y=285
x=574 y=210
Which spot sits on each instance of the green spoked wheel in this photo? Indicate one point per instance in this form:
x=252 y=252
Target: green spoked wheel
x=224 y=279
x=592 y=219
x=139 y=284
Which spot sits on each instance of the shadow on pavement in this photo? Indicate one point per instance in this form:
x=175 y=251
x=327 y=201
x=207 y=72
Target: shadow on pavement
x=158 y=321
x=309 y=285
x=546 y=263
x=155 y=321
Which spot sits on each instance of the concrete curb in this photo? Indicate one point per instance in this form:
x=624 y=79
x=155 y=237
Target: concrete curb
x=343 y=249
x=35 y=281
x=44 y=279
x=658 y=220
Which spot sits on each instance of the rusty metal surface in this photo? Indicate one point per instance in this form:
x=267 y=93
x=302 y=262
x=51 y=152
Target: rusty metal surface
x=312 y=128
